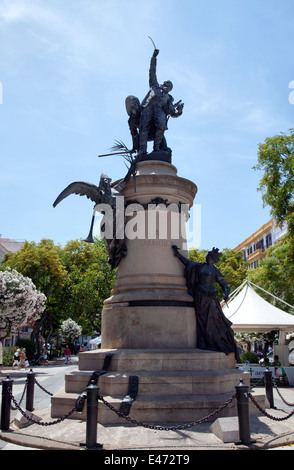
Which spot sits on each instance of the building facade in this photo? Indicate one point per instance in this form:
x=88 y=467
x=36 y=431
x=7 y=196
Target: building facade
x=254 y=247
x=8 y=245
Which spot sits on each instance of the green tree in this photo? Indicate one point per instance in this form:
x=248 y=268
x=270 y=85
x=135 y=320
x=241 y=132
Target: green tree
x=276 y=160
x=197 y=255
x=91 y=281
x=20 y=302
x=76 y=280
x=70 y=331
x=233 y=268
x=43 y=265
x=276 y=273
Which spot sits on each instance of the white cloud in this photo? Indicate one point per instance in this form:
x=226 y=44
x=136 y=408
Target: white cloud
x=102 y=36
x=11 y=11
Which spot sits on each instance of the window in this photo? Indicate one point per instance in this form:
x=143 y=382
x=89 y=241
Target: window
x=268 y=240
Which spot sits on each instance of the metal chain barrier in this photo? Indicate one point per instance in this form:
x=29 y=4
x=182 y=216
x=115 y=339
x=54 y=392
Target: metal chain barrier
x=260 y=382
x=272 y=383
x=168 y=428
x=267 y=414
x=93 y=398
x=41 y=423
x=23 y=394
x=42 y=388
x=279 y=393
x=92 y=435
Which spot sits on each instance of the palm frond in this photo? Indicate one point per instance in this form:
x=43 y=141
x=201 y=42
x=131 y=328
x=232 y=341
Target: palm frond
x=119 y=146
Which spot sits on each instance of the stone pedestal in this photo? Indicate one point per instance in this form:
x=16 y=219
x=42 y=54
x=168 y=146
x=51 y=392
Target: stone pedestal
x=150 y=306
x=149 y=322
x=174 y=385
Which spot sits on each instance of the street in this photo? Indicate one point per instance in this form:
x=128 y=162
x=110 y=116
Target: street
x=50 y=377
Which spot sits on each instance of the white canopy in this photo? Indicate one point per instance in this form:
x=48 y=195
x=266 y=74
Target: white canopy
x=94 y=343
x=250 y=312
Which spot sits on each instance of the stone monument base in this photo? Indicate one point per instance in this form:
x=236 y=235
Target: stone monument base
x=174 y=386
x=137 y=327
x=149 y=324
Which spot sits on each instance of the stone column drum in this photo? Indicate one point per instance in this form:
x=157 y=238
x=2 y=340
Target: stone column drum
x=150 y=307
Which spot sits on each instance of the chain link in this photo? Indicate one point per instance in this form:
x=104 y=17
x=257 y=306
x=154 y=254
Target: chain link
x=23 y=394
x=275 y=418
x=42 y=388
x=168 y=428
x=279 y=393
x=41 y=423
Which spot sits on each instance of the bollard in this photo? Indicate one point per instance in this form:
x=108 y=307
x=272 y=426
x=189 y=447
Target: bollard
x=6 y=403
x=30 y=390
x=92 y=416
x=269 y=387
x=243 y=413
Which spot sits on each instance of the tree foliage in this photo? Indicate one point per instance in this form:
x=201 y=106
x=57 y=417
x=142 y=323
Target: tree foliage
x=276 y=273
x=276 y=160
x=20 y=302
x=42 y=264
x=91 y=281
x=70 y=330
x=76 y=280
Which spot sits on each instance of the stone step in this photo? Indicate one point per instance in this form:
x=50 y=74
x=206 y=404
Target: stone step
x=167 y=409
x=158 y=383
x=175 y=385
x=156 y=360
x=155 y=409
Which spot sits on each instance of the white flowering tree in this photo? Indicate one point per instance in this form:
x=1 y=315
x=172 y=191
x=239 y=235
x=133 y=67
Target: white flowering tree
x=20 y=301
x=70 y=330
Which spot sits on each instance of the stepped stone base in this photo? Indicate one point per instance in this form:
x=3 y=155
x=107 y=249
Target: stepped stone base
x=175 y=386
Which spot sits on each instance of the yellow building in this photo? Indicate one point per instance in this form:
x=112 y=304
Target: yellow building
x=255 y=246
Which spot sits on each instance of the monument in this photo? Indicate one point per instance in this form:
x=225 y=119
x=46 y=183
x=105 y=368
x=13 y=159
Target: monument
x=155 y=347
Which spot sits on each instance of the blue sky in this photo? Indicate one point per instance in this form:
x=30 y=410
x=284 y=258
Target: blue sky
x=67 y=66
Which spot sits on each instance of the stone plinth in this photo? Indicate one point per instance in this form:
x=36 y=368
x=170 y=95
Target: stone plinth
x=175 y=386
x=149 y=322
x=150 y=306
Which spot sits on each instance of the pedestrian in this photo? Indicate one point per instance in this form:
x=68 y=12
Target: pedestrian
x=23 y=359
x=277 y=365
x=45 y=356
x=16 y=358
x=266 y=362
x=276 y=361
x=67 y=354
x=280 y=371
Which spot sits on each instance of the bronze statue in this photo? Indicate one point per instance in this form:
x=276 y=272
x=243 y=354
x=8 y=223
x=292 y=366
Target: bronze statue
x=156 y=107
x=148 y=120
x=214 y=330
x=104 y=195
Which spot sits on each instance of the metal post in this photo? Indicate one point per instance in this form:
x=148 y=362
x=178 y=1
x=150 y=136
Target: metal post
x=243 y=413
x=6 y=403
x=30 y=390
x=269 y=387
x=92 y=416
